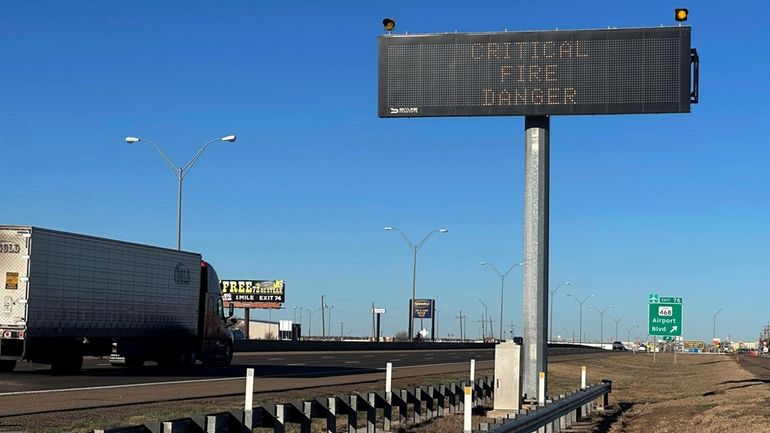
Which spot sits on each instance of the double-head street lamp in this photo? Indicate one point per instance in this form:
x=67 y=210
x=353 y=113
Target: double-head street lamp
x=601 y=314
x=616 y=324
x=415 y=249
x=580 y=336
x=629 y=329
x=502 y=276
x=180 y=173
x=550 y=315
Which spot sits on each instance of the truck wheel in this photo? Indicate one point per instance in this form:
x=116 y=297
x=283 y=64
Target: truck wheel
x=7 y=366
x=67 y=363
x=228 y=355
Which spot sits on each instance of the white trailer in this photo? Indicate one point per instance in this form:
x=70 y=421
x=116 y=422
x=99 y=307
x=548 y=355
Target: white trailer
x=66 y=295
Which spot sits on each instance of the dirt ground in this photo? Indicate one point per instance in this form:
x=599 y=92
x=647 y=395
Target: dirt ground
x=701 y=393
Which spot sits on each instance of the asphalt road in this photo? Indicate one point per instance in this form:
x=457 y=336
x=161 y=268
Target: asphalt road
x=98 y=373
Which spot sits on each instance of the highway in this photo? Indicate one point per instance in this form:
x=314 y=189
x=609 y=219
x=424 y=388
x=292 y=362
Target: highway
x=32 y=389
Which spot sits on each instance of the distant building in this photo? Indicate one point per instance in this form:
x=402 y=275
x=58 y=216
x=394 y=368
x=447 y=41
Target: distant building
x=259 y=329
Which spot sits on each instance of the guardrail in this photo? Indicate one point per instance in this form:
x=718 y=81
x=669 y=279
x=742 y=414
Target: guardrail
x=557 y=415
x=414 y=406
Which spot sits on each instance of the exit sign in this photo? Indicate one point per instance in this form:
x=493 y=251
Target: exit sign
x=665 y=317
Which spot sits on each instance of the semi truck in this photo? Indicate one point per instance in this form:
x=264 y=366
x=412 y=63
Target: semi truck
x=64 y=296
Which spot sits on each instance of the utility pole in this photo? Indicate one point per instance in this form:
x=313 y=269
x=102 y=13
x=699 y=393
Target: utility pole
x=374 y=326
x=462 y=328
x=342 y=330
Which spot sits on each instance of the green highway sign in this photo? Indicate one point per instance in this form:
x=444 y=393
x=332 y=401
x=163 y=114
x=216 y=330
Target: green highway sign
x=665 y=317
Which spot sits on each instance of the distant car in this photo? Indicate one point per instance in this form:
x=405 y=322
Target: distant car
x=642 y=348
x=617 y=345
x=518 y=340
x=238 y=335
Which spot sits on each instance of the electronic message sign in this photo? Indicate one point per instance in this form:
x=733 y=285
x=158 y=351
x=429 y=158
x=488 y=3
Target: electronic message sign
x=614 y=71
x=253 y=293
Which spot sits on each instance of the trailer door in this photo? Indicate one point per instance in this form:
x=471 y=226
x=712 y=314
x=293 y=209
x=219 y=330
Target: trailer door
x=14 y=277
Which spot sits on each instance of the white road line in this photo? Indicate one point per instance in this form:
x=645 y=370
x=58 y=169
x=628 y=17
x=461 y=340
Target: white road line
x=351 y=362
x=328 y=357
x=290 y=365
x=275 y=359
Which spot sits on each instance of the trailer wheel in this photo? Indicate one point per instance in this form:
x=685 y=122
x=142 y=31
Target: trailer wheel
x=7 y=366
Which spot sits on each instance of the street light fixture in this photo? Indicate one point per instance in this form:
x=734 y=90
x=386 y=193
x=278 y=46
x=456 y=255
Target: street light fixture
x=180 y=173
x=483 y=322
x=580 y=336
x=415 y=249
x=553 y=292
x=502 y=284
x=601 y=314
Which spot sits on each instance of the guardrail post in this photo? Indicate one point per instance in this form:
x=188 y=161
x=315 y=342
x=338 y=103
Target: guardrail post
x=452 y=393
x=429 y=403
x=440 y=396
x=353 y=414
x=331 y=415
x=403 y=409
x=461 y=395
x=371 y=414
x=606 y=397
x=307 y=412
x=387 y=411
x=417 y=403
x=279 y=425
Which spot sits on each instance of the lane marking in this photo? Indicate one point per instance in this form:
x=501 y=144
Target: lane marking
x=275 y=359
x=291 y=365
x=351 y=362
x=328 y=357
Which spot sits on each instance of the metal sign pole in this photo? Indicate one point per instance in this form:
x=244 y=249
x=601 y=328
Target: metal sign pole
x=536 y=181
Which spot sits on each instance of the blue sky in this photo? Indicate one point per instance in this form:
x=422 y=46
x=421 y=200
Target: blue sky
x=674 y=204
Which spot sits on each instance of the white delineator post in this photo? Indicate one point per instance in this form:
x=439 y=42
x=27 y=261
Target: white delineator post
x=247 y=407
x=388 y=379
x=473 y=370
x=541 y=389
x=583 y=377
x=467 y=428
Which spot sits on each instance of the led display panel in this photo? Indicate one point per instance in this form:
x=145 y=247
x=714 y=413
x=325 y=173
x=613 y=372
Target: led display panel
x=613 y=71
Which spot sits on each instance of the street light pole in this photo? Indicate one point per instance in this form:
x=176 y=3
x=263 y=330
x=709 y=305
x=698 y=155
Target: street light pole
x=483 y=322
x=715 y=324
x=180 y=173
x=415 y=249
x=550 y=315
x=580 y=336
x=628 y=340
x=601 y=314
x=616 y=324
x=502 y=285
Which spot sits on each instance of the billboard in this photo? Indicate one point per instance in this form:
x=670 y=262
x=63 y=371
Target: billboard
x=253 y=293
x=423 y=308
x=613 y=71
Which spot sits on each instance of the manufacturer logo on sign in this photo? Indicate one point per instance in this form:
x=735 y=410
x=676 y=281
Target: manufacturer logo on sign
x=182 y=274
